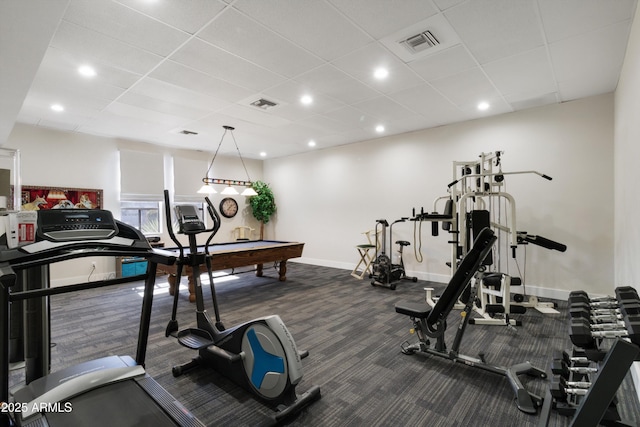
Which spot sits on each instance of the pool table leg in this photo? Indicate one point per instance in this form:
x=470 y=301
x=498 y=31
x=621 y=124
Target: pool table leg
x=283 y=270
x=259 y=270
x=172 y=284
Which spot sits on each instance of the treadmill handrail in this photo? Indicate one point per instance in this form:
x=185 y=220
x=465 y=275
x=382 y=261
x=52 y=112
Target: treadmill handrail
x=468 y=267
x=80 y=384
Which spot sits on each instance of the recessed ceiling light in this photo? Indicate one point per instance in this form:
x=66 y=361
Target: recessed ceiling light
x=312 y=143
x=483 y=106
x=263 y=154
x=57 y=107
x=379 y=128
x=381 y=73
x=306 y=99
x=87 y=71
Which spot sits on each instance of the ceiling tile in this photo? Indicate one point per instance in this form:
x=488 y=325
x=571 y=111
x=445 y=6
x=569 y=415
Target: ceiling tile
x=162 y=106
x=524 y=101
x=291 y=92
x=109 y=81
x=569 y=18
x=323 y=125
x=244 y=37
x=380 y=19
x=362 y=63
x=197 y=81
x=425 y=100
x=446 y=4
x=177 y=95
x=218 y=63
x=528 y=72
x=89 y=44
x=312 y=24
x=384 y=109
x=337 y=84
x=353 y=117
x=254 y=115
x=186 y=15
x=599 y=54
x=443 y=64
x=466 y=88
x=497 y=28
x=126 y=25
x=145 y=114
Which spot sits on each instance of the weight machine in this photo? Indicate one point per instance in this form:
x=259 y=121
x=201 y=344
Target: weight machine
x=476 y=200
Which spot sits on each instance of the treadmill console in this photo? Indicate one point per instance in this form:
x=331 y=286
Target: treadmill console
x=60 y=225
x=188 y=220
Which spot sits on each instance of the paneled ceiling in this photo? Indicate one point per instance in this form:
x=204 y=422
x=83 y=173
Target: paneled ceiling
x=167 y=66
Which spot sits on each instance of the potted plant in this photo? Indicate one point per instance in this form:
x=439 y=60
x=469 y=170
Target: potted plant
x=263 y=205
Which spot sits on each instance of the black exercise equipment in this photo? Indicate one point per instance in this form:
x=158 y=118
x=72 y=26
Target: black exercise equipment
x=111 y=391
x=260 y=355
x=431 y=322
x=385 y=272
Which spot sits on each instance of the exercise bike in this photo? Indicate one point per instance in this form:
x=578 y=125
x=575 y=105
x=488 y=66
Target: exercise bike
x=384 y=271
x=260 y=355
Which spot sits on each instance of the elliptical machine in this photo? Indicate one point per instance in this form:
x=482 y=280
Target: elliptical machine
x=259 y=355
x=385 y=272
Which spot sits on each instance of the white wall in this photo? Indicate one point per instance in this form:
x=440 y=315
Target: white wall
x=326 y=198
x=627 y=154
x=627 y=158
x=65 y=159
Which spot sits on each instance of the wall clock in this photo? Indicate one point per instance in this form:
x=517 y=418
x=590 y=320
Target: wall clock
x=228 y=207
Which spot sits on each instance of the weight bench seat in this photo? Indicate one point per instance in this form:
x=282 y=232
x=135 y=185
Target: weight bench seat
x=417 y=310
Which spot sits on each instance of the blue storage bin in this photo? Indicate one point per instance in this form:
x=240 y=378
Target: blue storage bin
x=134 y=267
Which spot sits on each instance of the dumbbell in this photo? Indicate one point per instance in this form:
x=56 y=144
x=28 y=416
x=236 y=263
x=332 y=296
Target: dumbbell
x=604 y=314
x=582 y=336
x=583 y=311
x=561 y=389
x=631 y=306
x=572 y=360
x=584 y=299
x=621 y=292
x=622 y=298
x=579 y=294
x=561 y=368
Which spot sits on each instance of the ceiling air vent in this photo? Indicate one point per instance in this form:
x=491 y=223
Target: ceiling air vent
x=420 y=42
x=188 y=132
x=263 y=103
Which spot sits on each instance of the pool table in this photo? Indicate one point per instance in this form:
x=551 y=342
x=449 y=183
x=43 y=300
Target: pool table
x=243 y=253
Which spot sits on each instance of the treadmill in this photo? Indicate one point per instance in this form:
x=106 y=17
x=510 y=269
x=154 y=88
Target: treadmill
x=110 y=391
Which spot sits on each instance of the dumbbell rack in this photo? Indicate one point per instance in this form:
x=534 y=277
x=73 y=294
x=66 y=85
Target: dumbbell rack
x=586 y=379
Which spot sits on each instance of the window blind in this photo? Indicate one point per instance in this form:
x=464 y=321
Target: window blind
x=141 y=175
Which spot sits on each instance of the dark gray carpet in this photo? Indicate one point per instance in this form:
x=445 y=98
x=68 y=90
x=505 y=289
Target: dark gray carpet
x=353 y=335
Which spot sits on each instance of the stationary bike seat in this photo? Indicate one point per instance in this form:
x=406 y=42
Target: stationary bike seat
x=402 y=243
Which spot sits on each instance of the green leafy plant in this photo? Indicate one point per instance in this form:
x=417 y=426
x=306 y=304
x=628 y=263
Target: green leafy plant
x=263 y=205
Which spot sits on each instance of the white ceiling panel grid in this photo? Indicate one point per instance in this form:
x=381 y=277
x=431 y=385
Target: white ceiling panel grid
x=166 y=66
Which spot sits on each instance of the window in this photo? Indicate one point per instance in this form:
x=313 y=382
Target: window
x=145 y=216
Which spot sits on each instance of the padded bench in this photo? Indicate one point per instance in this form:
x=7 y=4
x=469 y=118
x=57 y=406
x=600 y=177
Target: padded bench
x=416 y=310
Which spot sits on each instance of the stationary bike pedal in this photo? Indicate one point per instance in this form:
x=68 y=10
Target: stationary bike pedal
x=194 y=338
x=407 y=348
x=303 y=353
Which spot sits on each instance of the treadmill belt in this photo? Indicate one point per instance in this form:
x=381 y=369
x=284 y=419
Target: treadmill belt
x=122 y=404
